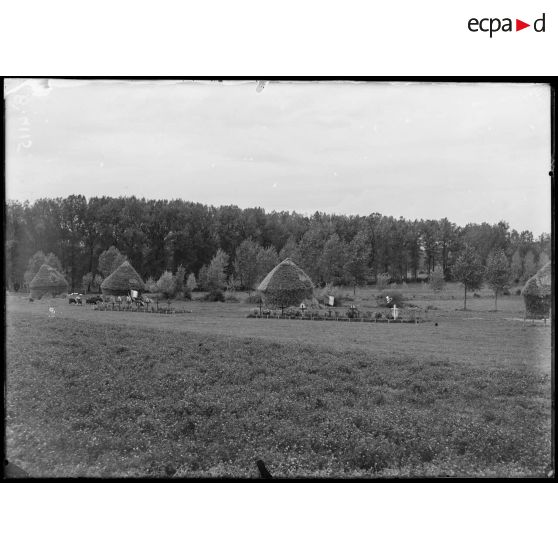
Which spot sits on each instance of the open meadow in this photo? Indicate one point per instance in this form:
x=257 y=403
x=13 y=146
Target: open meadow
x=206 y=393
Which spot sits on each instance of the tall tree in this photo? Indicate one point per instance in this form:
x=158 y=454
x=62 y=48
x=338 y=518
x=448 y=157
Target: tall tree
x=160 y=234
x=430 y=235
x=469 y=271
x=73 y=214
x=356 y=264
x=529 y=265
x=413 y=248
x=332 y=260
x=216 y=272
x=498 y=273
x=516 y=269
x=228 y=228
x=290 y=250
x=246 y=263
x=310 y=249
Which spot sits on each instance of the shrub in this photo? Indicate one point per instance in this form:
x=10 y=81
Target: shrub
x=229 y=297
x=232 y=284
x=166 y=284
x=151 y=285
x=215 y=295
x=396 y=299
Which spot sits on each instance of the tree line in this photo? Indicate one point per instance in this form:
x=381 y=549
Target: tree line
x=228 y=245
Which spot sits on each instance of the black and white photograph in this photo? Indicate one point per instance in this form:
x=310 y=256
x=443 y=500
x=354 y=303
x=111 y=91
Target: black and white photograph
x=273 y=279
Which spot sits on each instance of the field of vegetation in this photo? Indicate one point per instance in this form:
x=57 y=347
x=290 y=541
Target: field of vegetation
x=207 y=392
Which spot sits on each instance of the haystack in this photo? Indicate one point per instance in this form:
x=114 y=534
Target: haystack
x=122 y=280
x=286 y=285
x=537 y=294
x=47 y=281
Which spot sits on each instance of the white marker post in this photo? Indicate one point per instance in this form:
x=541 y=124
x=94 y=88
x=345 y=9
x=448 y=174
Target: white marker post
x=395 y=312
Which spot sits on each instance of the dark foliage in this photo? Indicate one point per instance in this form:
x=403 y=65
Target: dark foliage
x=157 y=235
x=215 y=296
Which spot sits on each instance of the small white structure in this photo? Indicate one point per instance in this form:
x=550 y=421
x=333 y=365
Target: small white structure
x=395 y=312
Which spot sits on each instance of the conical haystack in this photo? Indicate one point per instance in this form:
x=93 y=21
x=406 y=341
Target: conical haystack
x=537 y=293
x=121 y=280
x=286 y=285
x=47 y=280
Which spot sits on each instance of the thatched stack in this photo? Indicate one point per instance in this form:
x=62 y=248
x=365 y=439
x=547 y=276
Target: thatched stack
x=47 y=280
x=122 y=280
x=286 y=285
x=537 y=293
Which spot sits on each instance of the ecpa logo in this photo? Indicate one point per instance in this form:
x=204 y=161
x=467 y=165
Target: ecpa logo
x=494 y=24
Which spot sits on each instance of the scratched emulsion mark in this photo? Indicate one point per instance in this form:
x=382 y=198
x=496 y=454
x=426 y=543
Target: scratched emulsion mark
x=17 y=97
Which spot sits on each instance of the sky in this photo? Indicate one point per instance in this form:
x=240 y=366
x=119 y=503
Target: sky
x=468 y=152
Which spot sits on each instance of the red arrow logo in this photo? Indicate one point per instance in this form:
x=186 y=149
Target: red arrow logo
x=519 y=25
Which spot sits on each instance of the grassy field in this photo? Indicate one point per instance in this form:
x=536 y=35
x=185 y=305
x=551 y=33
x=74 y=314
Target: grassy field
x=206 y=393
